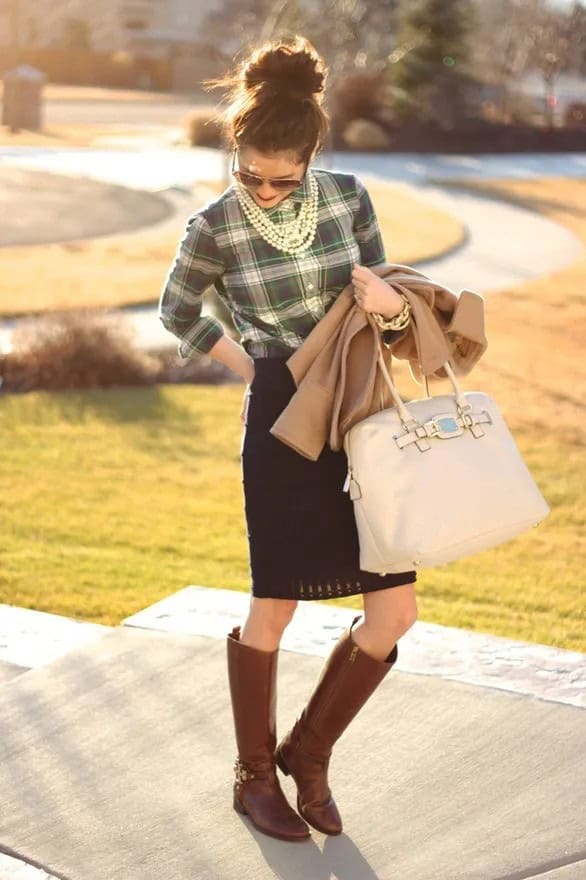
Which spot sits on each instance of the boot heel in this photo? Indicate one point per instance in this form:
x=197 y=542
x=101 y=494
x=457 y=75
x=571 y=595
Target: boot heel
x=239 y=807
x=281 y=763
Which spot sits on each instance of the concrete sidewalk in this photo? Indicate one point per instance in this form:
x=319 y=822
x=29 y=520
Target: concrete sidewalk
x=116 y=762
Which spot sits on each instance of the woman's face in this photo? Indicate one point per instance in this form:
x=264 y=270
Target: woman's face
x=282 y=164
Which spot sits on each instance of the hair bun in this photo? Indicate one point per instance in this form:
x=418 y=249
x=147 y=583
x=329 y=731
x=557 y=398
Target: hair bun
x=288 y=69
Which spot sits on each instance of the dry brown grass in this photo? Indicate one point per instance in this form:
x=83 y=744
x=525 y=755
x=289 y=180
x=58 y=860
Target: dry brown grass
x=101 y=272
x=204 y=128
x=537 y=330
x=130 y=269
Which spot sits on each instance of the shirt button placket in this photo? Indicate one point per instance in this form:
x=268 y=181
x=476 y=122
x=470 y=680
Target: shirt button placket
x=317 y=307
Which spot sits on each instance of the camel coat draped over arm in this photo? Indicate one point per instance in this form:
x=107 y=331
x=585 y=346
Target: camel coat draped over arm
x=336 y=371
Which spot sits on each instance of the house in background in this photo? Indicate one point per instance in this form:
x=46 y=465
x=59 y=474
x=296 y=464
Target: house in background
x=109 y=26
x=166 y=30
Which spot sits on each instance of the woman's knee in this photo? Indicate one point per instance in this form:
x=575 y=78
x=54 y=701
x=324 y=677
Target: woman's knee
x=393 y=608
x=275 y=614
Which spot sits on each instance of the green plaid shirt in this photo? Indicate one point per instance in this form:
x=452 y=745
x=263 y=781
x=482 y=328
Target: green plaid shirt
x=275 y=299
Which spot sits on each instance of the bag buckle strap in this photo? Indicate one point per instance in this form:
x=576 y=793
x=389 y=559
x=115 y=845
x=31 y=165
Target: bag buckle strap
x=471 y=420
x=443 y=426
x=416 y=434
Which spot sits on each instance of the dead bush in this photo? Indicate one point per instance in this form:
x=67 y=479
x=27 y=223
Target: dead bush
x=360 y=95
x=575 y=114
x=204 y=128
x=363 y=135
x=78 y=348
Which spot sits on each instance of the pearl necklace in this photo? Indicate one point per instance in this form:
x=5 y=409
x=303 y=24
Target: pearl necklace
x=293 y=237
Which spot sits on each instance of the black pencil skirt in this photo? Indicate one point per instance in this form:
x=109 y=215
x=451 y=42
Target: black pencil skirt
x=302 y=535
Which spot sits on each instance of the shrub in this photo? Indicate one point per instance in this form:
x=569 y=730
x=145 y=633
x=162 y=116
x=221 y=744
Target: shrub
x=364 y=135
x=359 y=95
x=204 y=128
x=575 y=114
x=78 y=348
x=523 y=110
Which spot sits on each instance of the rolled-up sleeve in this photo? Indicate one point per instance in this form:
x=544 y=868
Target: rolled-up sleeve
x=366 y=229
x=197 y=265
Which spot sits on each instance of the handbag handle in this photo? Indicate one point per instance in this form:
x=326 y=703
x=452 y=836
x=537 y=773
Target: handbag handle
x=421 y=280
x=406 y=417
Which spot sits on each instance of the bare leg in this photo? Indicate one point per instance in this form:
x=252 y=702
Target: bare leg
x=388 y=614
x=266 y=622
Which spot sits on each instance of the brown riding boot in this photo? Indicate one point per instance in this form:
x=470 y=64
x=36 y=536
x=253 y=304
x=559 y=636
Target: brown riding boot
x=252 y=675
x=348 y=678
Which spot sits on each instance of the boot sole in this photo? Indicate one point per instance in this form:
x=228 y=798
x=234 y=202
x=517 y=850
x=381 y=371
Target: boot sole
x=240 y=808
x=283 y=767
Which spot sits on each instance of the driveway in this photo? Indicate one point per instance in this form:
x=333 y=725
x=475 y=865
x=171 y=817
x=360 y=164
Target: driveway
x=39 y=207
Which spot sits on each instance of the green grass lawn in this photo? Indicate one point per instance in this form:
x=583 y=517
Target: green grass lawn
x=113 y=499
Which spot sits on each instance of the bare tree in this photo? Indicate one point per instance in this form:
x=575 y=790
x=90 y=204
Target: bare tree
x=518 y=36
x=348 y=33
x=351 y=35
x=575 y=28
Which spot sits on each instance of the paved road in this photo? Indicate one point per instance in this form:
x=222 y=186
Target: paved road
x=415 y=166
x=39 y=207
x=150 y=169
x=166 y=109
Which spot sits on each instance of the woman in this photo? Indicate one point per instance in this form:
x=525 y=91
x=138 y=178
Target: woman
x=279 y=245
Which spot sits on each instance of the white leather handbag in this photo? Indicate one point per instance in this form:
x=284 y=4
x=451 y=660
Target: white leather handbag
x=436 y=479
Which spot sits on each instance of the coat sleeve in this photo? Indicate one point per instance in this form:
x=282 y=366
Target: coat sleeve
x=457 y=322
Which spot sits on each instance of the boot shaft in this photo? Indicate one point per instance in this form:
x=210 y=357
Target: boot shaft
x=347 y=680
x=252 y=675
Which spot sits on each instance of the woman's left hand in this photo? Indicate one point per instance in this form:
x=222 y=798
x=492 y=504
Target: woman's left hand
x=373 y=294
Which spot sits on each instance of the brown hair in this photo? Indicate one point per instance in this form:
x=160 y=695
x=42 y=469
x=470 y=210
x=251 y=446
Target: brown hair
x=275 y=98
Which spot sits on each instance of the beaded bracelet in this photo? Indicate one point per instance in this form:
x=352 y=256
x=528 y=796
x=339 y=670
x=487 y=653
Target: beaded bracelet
x=398 y=321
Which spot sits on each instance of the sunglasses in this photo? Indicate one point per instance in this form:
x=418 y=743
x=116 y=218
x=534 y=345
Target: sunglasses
x=253 y=181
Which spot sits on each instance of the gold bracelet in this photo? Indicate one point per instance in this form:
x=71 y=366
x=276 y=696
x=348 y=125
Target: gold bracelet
x=398 y=321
